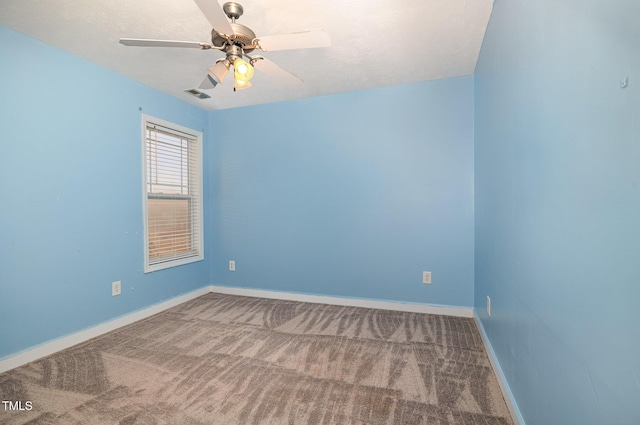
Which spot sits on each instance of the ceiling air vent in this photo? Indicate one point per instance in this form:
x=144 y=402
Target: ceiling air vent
x=197 y=93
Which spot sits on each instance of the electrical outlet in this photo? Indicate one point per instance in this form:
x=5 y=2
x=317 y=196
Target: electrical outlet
x=116 y=288
x=232 y=265
x=489 y=305
x=426 y=278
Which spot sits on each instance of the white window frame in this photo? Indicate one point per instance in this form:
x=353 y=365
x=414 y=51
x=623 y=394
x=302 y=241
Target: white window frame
x=197 y=235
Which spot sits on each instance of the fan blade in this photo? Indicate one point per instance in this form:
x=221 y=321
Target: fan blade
x=296 y=40
x=278 y=73
x=139 y=42
x=215 y=15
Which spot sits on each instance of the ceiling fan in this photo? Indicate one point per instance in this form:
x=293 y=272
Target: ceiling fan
x=236 y=41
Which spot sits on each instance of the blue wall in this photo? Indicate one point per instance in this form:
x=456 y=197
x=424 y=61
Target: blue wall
x=349 y=195
x=557 y=145
x=70 y=179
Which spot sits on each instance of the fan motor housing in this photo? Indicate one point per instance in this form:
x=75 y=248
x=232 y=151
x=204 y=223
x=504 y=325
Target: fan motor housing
x=243 y=37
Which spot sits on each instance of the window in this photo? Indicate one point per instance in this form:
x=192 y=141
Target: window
x=172 y=194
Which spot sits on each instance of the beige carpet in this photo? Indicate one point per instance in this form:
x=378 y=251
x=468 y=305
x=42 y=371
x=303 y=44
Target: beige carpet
x=222 y=359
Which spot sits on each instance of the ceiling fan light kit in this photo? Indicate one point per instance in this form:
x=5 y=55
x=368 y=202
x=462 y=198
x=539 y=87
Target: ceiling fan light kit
x=241 y=84
x=236 y=41
x=243 y=72
x=219 y=70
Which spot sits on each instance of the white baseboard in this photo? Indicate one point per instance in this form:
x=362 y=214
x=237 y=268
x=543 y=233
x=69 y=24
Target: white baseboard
x=56 y=345
x=351 y=302
x=59 y=344
x=516 y=416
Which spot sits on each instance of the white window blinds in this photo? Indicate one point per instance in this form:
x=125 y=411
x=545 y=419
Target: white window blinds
x=172 y=195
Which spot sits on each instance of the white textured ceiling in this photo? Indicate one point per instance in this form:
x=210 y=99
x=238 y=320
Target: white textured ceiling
x=374 y=43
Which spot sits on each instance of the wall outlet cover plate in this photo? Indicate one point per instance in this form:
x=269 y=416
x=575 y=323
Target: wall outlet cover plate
x=116 y=288
x=426 y=278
